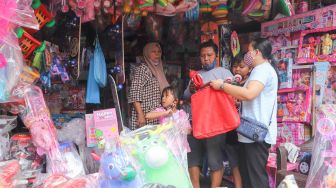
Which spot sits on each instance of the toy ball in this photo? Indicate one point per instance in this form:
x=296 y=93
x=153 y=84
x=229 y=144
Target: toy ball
x=156 y=157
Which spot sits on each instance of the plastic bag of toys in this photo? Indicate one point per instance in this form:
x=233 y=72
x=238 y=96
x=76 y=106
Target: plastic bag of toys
x=11 y=65
x=74 y=164
x=7 y=123
x=150 y=147
x=23 y=150
x=118 y=168
x=18 y=12
x=10 y=175
x=322 y=168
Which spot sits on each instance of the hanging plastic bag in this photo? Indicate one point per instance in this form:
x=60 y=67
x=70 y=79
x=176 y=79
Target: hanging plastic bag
x=92 y=92
x=99 y=65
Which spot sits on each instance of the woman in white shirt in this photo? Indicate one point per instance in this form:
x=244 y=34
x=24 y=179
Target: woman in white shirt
x=258 y=97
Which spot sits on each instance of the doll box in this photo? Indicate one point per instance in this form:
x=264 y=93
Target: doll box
x=90 y=131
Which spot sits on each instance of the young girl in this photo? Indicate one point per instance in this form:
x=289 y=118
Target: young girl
x=169 y=111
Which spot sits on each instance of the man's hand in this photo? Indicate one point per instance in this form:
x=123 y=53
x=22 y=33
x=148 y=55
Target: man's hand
x=192 y=88
x=216 y=84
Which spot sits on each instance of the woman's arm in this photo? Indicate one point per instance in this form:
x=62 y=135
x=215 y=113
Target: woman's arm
x=156 y=115
x=248 y=93
x=140 y=114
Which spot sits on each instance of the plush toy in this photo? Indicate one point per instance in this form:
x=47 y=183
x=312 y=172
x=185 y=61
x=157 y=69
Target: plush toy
x=157 y=160
x=117 y=170
x=235 y=46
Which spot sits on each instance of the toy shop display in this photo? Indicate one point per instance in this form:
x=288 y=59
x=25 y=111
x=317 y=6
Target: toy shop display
x=290 y=133
x=28 y=43
x=23 y=150
x=10 y=174
x=321 y=79
x=159 y=164
x=323 y=165
x=302 y=78
x=294 y=105
x=317 y=45
x=61 y=181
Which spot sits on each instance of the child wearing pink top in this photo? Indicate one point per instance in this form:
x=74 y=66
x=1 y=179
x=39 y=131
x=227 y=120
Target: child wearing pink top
x=169 y=111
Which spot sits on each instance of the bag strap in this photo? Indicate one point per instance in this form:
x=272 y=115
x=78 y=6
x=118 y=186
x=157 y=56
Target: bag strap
x=270 y=121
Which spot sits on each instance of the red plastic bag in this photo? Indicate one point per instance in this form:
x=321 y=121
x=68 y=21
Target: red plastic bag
x=213 y=113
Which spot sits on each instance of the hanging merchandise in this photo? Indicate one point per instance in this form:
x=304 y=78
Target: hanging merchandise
x=286 y=8
x=42 y=15
x=28 y=43
x=58 y=68
x=258 y=9
x=7 y=123
x=74 y=163
x=92 y=89
x=83 y=9
x=9 y=173
x=100 y=72
x=154 y=27
x=235 y=46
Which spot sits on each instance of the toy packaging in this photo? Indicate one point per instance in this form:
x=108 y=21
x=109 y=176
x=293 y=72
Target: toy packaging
x=7 y=123
x=329 y=96
x=321 y=80
x=285 y=72
x=323 y=165
x=106 y=126
x=294 y=105
x=74 y=163
x=90 y=131
x=290 y=133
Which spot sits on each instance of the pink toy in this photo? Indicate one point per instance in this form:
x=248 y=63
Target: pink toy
x=37 y=119
x=8 y=171
x=323 y=164
x=60 y=181
x=324 y=53
x=83 y=9
x=296 y=105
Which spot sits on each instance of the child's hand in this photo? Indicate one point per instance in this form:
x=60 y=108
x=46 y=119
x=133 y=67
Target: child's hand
x=169 y=112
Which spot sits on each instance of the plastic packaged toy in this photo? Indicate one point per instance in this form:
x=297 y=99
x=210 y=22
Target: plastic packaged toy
x=7 y=123
x=23 y=150
x=10 y=174
x=323 y=165
x=149 y=145
x=74 y=164
x=118 y=169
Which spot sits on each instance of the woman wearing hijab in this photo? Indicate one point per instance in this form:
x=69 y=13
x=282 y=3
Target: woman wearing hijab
x=146 y=87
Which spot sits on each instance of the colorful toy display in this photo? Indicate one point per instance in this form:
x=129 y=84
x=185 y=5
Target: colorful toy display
x=74 y=163
x=43 y=16
x=7 y=123
x=329 y=96
x=8 y=171
x=156 y=159
x=28 y=43
x=294 y=105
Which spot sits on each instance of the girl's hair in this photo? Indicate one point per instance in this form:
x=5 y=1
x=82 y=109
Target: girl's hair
x=265 y=47
x=173 y=90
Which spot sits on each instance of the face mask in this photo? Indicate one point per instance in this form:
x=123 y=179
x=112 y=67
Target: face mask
x=208 y=67
x=155 y=63
x=248 y=59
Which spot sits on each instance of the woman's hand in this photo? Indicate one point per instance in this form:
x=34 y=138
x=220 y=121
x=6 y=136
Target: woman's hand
x=216 y=84
x=141 y=120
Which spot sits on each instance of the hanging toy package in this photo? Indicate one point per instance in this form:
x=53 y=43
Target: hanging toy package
x=7 y=123
x=10 y=176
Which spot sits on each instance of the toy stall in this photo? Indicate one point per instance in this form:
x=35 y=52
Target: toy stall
x=66 y=68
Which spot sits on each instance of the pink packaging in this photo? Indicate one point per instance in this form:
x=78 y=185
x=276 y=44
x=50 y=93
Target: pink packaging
x=106 y=126
x=90 y=131
x=290 y=132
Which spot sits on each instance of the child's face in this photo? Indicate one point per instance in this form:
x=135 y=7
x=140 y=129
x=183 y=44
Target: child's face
x=243 y=70
x=168 y=100
x=234 y=69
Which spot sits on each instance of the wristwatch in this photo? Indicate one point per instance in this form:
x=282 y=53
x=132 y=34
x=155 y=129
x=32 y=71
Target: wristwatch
x=222 y=86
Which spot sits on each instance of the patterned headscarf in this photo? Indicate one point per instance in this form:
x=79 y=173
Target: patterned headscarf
x=155 y=67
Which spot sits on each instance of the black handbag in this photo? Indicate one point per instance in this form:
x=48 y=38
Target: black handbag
x=253 y=129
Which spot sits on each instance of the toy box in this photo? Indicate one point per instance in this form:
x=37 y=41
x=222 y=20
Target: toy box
x=90 y=131
x=285 y=72
x=329 y=96
x=321 y=75
x=294 y=105
x=302 y=78
x=290 y=132
x=106 y=126
x=317 y=45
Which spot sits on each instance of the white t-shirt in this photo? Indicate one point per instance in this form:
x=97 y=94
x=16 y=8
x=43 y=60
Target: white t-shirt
x=261 y=107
